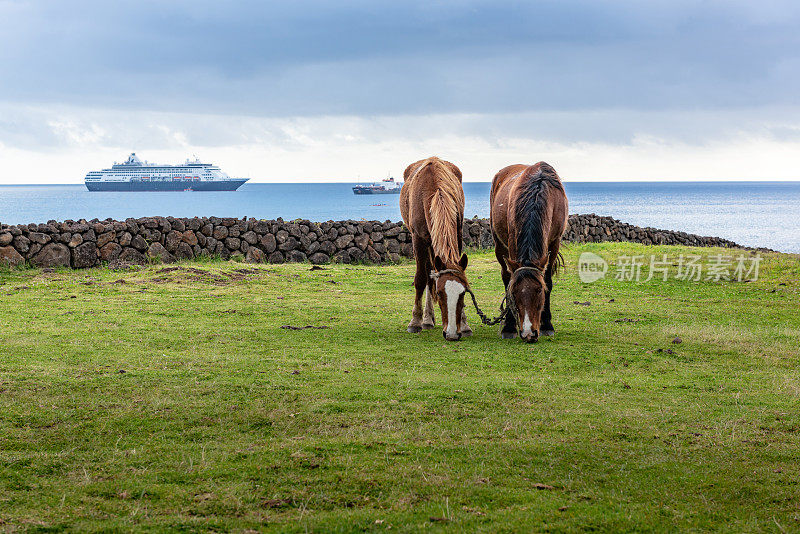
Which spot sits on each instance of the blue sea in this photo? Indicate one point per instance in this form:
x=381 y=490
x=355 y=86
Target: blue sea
x=765 y=214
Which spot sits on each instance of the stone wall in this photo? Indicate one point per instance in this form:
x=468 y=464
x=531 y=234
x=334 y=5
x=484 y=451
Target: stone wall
x=593 y=228
x=80 y=244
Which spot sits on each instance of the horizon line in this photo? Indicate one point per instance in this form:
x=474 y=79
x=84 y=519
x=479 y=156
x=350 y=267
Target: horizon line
x=599 y=181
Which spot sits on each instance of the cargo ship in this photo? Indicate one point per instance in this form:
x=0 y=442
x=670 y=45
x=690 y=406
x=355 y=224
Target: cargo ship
x=137 y=175
x=387 y=187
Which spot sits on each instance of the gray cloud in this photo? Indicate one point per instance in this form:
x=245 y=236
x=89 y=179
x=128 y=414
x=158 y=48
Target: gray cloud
x=375 y=58
x=58 y=127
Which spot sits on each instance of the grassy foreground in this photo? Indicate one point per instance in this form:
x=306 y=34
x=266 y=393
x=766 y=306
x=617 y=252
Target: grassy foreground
x=171 y=399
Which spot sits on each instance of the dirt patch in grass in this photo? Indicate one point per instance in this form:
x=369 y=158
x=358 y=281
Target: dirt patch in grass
x=217 y=277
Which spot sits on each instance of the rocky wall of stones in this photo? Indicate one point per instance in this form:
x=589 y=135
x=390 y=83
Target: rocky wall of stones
x=81 y=244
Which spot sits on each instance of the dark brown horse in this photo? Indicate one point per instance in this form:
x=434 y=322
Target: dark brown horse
x=432 y=205
x=529 y=213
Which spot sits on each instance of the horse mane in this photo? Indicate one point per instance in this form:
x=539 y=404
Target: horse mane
x=447 y=209
x=529 y=209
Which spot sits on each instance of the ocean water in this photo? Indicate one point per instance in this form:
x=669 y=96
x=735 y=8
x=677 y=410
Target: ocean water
x=765 y=214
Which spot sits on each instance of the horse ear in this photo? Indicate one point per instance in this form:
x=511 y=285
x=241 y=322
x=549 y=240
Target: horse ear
x=543 y=261
x=438 y=264
x=463 y=262
x=512 y=265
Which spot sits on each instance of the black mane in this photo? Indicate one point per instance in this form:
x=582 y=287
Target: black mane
x=529 y=211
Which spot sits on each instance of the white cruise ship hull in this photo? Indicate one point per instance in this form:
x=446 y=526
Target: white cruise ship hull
x=137 y=175
x=171 y=185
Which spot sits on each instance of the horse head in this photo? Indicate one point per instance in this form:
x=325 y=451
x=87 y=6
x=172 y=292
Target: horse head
x=450 y=286
x=526 y=297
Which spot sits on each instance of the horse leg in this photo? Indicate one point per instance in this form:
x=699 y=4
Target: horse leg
x=546 y=328
x=463 y=327
x=428 y=318
x=460 y=230
x=420 y=283
x=509 y=328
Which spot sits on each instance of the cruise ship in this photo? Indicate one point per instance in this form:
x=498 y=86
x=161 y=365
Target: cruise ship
x=137 y=175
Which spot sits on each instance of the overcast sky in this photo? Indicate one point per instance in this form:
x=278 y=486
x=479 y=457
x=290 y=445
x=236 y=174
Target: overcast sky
x=349 y=90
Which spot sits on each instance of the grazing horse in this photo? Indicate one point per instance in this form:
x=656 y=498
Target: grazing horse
x=432 y=205
x=528 y=213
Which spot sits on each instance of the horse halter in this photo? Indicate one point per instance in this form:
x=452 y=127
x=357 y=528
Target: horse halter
x=484 y=319
x=436 y=274
x=507 y=305
x=509 y=298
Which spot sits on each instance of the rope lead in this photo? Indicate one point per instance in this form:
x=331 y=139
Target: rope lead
x=507 y=299
x=484 y=319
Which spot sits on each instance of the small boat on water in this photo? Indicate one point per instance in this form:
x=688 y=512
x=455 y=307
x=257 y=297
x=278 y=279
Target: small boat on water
x=387 y=187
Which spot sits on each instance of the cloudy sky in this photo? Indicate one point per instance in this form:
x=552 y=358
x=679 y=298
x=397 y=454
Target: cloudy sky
x=348 y=90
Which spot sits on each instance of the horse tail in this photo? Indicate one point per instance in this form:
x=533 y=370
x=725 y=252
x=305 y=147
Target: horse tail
x=446 y=210
x=558 y=264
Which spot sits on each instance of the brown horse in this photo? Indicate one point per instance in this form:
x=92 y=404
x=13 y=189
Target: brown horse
x=432 y=205
x=529 y=213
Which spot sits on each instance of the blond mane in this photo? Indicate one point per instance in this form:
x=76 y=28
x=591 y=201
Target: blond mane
x=446 y=210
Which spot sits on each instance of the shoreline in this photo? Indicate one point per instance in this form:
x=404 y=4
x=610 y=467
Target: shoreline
x=761 y=215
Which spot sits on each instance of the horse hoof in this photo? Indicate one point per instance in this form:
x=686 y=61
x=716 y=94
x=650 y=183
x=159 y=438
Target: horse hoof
x=508 y=335
x=466 y=332
x=414 y=329
x=547 y=333
x=427 y=326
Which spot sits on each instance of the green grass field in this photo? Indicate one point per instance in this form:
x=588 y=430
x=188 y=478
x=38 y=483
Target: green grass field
x=171 y=399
